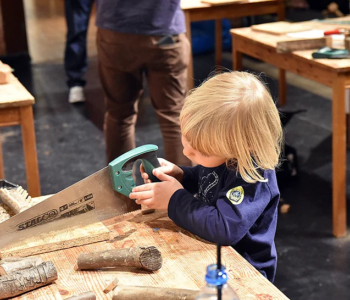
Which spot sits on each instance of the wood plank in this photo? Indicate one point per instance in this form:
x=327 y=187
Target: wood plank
x=14 y=94
x=234 y=10
x=183 y=253
x=282 y=27
x=76 y=236
x=52 y=241
x=300 y=44
x=223 y=2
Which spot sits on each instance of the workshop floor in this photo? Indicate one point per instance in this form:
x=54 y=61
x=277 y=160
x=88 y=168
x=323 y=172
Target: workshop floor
x=312 y=263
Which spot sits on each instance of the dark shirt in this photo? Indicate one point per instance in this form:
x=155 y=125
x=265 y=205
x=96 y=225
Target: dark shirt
x=146 y=17
x=229 y=211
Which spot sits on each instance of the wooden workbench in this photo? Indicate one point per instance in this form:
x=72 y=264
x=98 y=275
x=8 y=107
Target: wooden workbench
x=185 y=258
x=16 y=109
x=195 y=10
x=334 y=73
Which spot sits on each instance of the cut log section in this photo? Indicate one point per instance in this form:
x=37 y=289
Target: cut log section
x=152 y=293
x=9 y=266
x=84 y=296
x=145 y=257
x=26 y=280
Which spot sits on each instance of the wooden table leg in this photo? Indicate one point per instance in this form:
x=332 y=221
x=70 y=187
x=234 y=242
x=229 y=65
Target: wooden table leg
x=282 y=87
x=236 y=57
x=339 y=156
x=218 y=43
x=30 y=154
x=190 y=77
x=281 y=14
x=2 y=173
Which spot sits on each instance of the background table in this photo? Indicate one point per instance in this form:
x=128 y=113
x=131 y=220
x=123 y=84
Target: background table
x=185 y=258
x=16 y=109
x=195 y=10
x=334 y=73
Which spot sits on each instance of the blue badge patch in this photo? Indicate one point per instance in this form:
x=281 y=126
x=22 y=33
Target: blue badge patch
x=235 y=195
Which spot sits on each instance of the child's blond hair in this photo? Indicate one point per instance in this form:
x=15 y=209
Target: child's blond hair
x=232 y=115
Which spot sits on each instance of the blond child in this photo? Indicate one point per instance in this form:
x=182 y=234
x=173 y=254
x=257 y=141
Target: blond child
x=231 y=130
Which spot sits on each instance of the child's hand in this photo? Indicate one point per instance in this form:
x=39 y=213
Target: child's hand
x=156 y=195
x=166 y=167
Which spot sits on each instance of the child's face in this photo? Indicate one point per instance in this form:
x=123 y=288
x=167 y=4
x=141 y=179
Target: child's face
x=208 y=161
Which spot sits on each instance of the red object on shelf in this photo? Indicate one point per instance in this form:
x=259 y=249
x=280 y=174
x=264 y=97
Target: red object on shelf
x=335 y=31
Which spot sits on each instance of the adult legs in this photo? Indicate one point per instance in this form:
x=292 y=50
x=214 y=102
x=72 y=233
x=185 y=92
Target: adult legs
x=75 y=61
x=122 y=92
x=167 y=81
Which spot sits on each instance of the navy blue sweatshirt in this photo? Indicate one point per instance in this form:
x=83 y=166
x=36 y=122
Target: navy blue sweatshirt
x=229 y=211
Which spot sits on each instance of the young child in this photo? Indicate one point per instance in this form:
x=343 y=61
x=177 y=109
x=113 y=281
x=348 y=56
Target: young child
x=231 y=130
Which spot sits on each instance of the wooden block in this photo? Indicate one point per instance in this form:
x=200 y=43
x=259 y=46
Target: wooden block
x=347 y=43
x=300 y=44
x=111 y=286
x=5 y=73
x=282 y=27
x=52 y=241
x=222 y=2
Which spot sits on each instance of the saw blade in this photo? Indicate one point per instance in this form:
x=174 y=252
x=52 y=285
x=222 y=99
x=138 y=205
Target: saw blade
x=85 y=202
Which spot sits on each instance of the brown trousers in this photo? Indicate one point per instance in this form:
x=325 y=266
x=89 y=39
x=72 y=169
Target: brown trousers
x=123 y=58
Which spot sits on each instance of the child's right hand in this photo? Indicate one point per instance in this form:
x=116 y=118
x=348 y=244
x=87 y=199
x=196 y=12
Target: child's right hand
x=167 y=168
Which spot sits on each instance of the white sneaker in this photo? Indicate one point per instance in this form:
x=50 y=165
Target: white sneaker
x=76 y=94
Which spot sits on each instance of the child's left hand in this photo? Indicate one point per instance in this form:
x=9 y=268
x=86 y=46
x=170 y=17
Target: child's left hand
x=156 y=195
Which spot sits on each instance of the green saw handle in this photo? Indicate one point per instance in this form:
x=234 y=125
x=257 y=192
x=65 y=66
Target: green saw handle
x=121 y=169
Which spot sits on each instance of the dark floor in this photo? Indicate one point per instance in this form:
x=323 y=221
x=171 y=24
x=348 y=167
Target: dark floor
x=312 y=264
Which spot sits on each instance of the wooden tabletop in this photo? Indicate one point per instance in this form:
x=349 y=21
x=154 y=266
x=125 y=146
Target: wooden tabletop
x=14 y=94
x=270 y=40
x=195 y=4
x=185 y=258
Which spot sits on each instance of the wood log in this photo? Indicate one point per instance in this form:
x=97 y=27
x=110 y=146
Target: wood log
x=26 y=280
x=84 y=296
x=145 y=257
x=14 y=200
x=9 y=266
x=152 y=293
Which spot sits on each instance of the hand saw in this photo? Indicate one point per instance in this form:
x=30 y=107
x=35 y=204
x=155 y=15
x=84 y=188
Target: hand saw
x=101 y=196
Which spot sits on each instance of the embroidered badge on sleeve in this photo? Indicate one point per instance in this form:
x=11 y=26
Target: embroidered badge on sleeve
x=235 y=195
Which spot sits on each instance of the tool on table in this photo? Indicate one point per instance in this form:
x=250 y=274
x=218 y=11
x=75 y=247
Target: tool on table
x=337 y=31
x=145 y=257
x=98 y=197
x=216 y=282
x=327 y=52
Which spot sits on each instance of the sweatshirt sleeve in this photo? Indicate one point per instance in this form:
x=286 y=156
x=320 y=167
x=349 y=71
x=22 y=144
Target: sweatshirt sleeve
x=190 y=178
x=227 y=221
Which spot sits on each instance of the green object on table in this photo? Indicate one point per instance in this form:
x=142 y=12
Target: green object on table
x=327 y=52
x=122 y=168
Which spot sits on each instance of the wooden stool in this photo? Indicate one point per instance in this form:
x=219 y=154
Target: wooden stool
x=16 y=109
